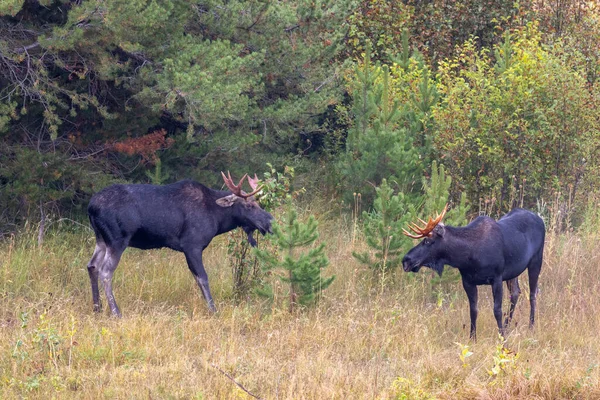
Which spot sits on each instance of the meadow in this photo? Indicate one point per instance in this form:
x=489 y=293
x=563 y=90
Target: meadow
x=366 y=339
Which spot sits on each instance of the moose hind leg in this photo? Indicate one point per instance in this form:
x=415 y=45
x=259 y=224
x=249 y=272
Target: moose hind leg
x=513 y=287
x=93 y=266
x=111 y=260
x=194 y=260
x=534 y=270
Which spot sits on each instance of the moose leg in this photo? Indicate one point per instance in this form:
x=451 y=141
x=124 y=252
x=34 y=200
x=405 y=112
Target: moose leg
x=472 y=295
x=93 y=266
x=111 y=260
x=534 y=269
x=497 y=295
x=194 y=260
x=513 y=287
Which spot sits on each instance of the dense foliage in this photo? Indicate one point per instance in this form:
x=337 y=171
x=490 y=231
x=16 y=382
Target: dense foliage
x=224 y=79
x=505 y=95
x=519 y=117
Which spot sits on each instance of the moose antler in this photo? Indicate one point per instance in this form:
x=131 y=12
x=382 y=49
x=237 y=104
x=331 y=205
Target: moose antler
x=428 y=228
x=254 y=184
x=237 y=189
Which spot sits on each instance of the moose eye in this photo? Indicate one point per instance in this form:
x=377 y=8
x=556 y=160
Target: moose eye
x=427 y=241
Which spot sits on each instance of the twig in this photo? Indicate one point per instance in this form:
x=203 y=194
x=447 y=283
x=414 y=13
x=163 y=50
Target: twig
x=291 y=28
x=24 y=49
x=234 y=381
x=325 y=82
x=42 y=224
x=69 y=220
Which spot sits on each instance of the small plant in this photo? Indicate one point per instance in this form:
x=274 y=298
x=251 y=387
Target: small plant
x=464 y=353
x=504 y=358
x=302 y=270
x=37 y=353
x=158 y=176
x=586 y=380
x=244 y=264
x=277 y=187
x=48 y=340
x=383 y=230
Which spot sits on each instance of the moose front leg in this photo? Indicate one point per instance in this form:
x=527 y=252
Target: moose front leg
x=513 y=287
x=472 y=295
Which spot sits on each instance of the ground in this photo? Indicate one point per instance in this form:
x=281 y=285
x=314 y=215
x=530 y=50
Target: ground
x=367 y=339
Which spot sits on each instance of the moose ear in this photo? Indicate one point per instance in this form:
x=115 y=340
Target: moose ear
x=227 y=201
x=439 y=230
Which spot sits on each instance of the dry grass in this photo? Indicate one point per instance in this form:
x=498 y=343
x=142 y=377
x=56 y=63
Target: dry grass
x=363 y=341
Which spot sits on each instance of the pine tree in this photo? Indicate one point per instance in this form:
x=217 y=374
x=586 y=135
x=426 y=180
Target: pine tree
x=504 y=55
x=365 y=102
x=302 y=270
x=158 y=176
x=403 y=59
x=383 y=229
x=436 y=193
x=420 y=116
x=379 y=145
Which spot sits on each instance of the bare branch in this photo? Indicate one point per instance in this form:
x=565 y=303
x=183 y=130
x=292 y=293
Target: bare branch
x=291 y=28
x=234 y=381
x=326 y=82
x=25 y=48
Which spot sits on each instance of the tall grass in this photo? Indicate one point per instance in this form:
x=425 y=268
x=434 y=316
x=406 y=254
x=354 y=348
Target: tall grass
x=364 y=340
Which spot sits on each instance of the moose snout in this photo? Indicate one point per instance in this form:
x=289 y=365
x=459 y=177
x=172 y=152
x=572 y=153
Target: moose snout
x=410 y=264
x=267 y=227
x=407 y=263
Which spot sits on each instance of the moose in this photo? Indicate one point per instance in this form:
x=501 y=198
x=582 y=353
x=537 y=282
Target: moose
x=486 y=252
x=183 y=216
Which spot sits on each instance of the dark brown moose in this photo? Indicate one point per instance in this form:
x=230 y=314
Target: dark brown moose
x=183 y=216
x=486 y=252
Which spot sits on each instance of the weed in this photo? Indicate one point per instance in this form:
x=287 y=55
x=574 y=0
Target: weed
x=504 y=358
x=464 y=353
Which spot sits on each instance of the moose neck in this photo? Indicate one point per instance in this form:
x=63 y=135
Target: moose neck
x=458 y=245
x=480 y=240
x=225 y=216
x=227 y=223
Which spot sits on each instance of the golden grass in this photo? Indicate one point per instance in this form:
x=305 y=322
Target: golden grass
x=363 y=341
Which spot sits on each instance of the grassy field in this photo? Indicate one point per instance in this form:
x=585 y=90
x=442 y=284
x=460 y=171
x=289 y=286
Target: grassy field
x=365 y=340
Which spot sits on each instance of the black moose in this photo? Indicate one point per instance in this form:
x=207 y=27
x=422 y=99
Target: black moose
x=184 y=216
x=485 y=252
